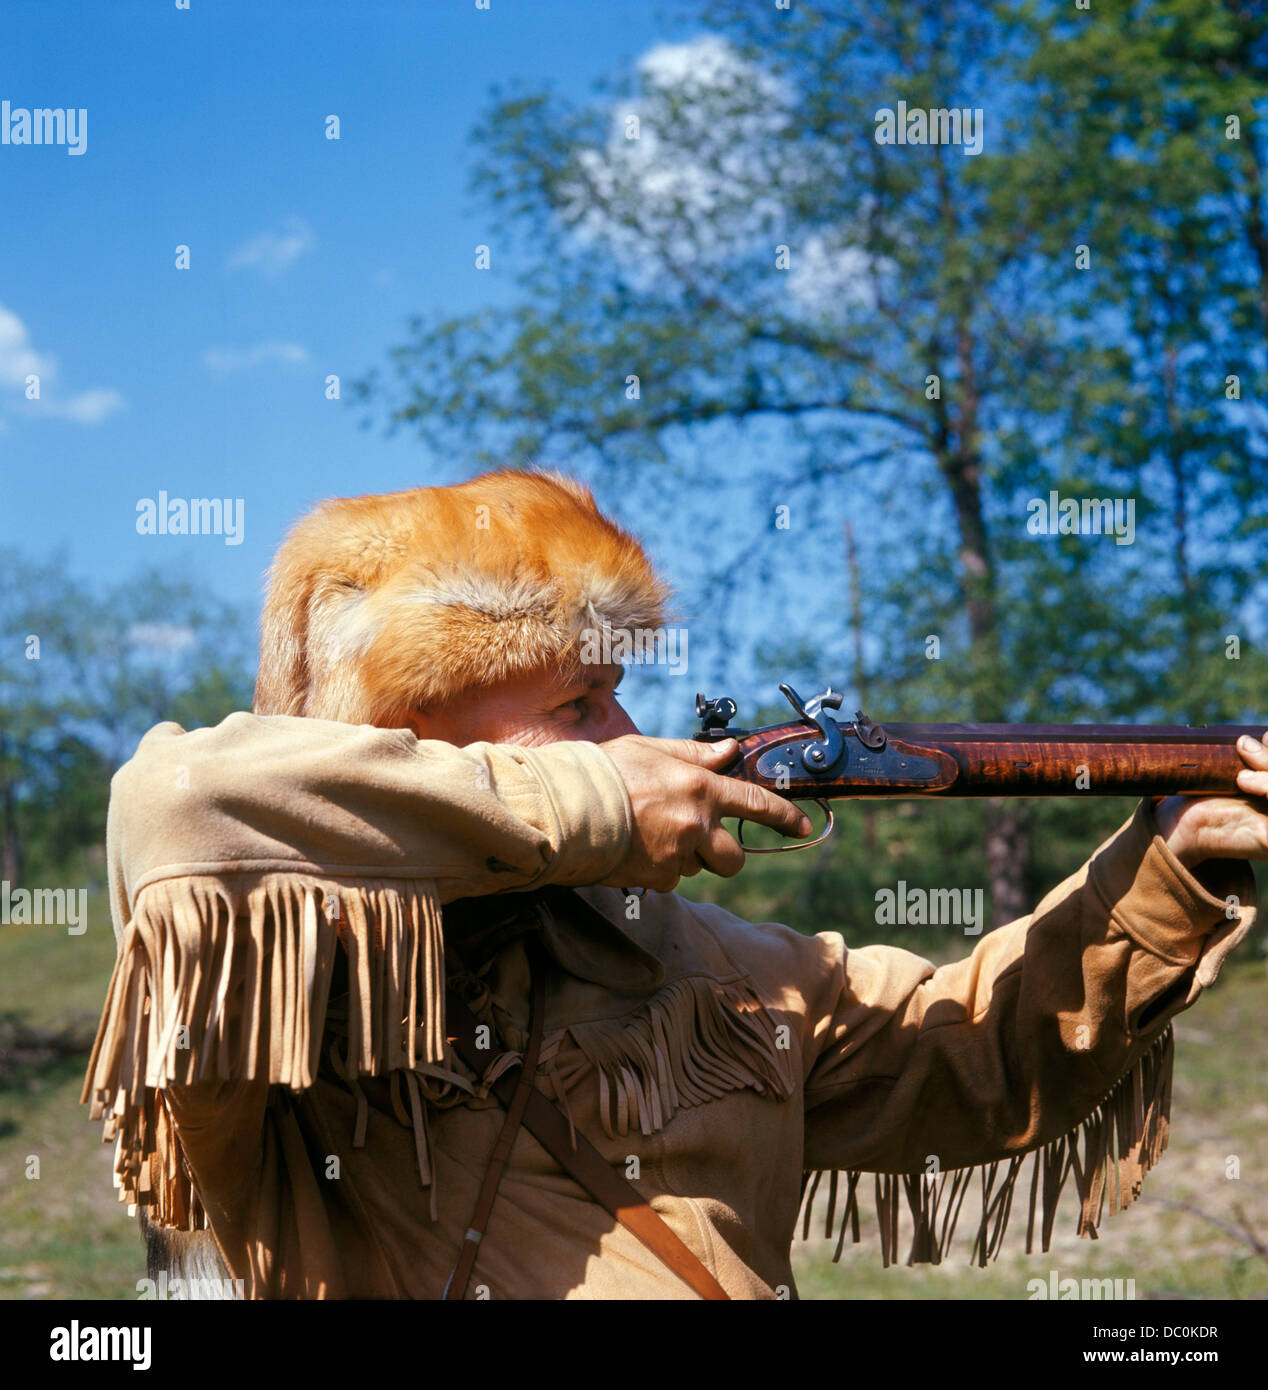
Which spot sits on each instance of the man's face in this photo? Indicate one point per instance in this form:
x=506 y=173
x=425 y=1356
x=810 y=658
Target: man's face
x=544 y=707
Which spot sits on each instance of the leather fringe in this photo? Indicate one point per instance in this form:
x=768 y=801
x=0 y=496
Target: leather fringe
x=695 y=1040
x=1108 y=1154
x=171 y=1018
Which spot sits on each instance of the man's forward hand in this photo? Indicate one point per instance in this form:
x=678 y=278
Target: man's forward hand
x=1197 y=828
x=679 y=800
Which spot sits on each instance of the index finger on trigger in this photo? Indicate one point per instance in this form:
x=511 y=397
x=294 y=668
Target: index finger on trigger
x=757 y=804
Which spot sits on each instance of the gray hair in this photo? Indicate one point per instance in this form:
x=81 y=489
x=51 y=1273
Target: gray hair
x=193 y=1257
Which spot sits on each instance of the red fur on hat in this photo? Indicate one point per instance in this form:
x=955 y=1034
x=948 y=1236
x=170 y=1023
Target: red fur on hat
x=381 y=604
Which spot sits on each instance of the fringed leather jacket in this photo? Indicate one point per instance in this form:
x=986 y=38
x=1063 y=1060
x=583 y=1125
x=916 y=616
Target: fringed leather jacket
x=291 y=896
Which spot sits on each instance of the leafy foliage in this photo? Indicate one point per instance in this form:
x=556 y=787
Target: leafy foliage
x=85 y=674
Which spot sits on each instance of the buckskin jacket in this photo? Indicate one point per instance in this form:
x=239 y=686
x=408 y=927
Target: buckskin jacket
x=272 y=1060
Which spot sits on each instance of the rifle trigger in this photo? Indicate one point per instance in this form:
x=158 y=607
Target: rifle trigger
x=796 y=844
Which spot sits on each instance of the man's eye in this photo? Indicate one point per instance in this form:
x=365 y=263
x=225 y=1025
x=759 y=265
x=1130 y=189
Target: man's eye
x=580 y=705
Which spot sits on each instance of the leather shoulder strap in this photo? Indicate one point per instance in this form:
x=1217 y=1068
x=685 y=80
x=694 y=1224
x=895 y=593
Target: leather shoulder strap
x=456 y=1288
x=585 y=1164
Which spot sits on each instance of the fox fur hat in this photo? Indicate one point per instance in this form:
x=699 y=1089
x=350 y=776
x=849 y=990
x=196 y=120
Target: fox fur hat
x=378 y=605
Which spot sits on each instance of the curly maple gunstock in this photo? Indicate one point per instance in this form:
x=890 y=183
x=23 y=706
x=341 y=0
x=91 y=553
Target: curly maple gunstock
x=815 y=758
x=995 y=760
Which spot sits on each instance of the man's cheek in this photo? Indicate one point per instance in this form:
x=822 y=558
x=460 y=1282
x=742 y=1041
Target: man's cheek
x=542 y=732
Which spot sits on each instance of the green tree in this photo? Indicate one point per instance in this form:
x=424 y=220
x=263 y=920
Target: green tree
x=1151 y=161
x=84 y=675
x=721 y=256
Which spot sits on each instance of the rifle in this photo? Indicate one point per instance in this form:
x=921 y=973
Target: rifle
x=815 y=758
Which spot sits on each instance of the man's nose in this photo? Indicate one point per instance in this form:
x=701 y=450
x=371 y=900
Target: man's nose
x=616 y=723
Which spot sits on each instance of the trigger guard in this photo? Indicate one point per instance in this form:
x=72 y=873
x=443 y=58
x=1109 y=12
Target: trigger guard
x=795 y=845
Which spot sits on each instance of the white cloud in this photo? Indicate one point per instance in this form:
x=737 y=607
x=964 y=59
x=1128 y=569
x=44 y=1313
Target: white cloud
x=19 y=360
x=700 y=67
x=165 y=637
x=272 y=252
x=829 y=276
x=702 y=178
x=89 y=407
x=715 y=178
x=257 y=355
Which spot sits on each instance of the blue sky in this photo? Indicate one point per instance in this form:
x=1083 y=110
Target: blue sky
x=206 y=128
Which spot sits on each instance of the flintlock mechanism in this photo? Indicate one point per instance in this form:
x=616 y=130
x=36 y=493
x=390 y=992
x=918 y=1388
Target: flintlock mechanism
x=816 y=758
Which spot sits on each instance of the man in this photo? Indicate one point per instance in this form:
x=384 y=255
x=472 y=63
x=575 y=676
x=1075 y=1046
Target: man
x=381 y=944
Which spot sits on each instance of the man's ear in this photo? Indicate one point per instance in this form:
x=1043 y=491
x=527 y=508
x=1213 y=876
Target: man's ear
x=412 y=719
x=424 y=724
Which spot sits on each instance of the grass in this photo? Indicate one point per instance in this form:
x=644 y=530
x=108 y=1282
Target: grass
x=1219 y=1109
x=63 y=1234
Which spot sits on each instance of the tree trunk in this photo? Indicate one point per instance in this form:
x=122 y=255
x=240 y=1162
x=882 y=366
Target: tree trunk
x=12 y=849
x=1007 y=855
x=1007 y=826
x=1178 y=463
x=959 y=458
x=1256 y=234
x=860 y=674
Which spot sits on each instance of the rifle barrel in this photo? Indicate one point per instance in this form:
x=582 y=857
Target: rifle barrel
x=974 y=760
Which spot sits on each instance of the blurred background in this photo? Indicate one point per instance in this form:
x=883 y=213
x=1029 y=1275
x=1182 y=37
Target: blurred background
x=320 y=249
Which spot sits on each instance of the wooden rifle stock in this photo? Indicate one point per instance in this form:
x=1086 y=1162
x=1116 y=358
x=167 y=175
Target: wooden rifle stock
x=1009 y=760
x=815 y=758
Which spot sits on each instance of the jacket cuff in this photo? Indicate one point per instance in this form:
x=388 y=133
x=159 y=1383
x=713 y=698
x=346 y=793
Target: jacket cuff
x=1152 y=898
x=591 y=808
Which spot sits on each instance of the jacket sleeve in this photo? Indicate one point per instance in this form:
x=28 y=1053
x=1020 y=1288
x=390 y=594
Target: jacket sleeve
x=1052 y=1036
x=245 y=860
x=277 y=793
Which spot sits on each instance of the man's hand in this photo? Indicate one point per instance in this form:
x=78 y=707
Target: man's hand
x=1220 y=827
x=679 y=801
